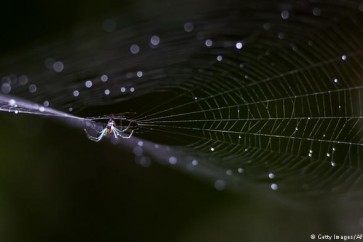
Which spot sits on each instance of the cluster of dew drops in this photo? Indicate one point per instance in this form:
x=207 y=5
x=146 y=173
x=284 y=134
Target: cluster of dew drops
x=110 y=25
x=59 y=66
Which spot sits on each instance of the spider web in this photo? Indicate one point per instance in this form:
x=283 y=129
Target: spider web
x=266 y=94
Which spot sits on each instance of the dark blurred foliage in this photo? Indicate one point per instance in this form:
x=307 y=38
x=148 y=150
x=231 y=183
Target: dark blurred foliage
x=25 y=23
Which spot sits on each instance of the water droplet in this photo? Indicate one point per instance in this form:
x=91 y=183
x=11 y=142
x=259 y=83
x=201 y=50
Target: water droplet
x=104 y=78
x=271 y=175
x=285 y=14
x=58 y=66
x=107 y=92
x=240 y=170
x=316 y=11
x=155 y=40
x=134 y=49
x=194 y=162
x=229 y=172
x=172 y=160
x=143 y=161
x=137 y=150
x=132 y=89
x=5 y=88
x=239 y=45
x=123 y=89
x=220 y=184
x=32 y=88
x=139 y=74
x=88 y=84
x=23 y=79
x=140 y=143
x=188 y=27
x=12 y=102
x=208 y=43
x=219 y=58
x=212 y=149
x=76 y=93
x=344 y=57
x=274 y=186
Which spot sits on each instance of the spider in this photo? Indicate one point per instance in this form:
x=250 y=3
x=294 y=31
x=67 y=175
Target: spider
x=110 y=129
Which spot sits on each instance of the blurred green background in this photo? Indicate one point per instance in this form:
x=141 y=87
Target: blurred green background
x=58 y=186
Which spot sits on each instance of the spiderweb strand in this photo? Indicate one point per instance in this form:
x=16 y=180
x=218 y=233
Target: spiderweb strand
x=315 y=122
x=268 y=92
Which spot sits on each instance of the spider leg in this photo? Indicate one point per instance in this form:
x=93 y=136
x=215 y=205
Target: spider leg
x=96 y=139
x=119 y=132
x=123 y=130
x=115 y=132
x=127 y=137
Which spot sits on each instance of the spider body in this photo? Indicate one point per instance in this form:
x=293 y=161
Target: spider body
x=110 y=129
x=110 y=125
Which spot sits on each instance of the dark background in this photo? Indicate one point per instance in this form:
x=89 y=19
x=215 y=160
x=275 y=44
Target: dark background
x=55 y=185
